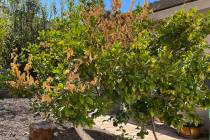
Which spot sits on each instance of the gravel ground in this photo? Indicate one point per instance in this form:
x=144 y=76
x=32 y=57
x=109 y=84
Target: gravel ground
x=15 y=118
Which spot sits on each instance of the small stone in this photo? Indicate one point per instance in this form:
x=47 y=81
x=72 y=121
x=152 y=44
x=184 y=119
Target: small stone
x=10 y=116
x=23 y=119
x=37 y=114
x=56 y=134
x=12 y=134
x=1 y=108
x=26 y=133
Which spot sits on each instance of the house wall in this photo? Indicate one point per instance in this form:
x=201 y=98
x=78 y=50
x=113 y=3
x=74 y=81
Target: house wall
x=202 y=6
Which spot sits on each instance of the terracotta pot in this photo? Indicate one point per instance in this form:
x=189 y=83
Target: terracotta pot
x=190 y=132
x=41 y=131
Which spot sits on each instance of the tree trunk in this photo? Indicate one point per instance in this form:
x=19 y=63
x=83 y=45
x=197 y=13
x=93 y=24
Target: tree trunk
x=153 y=128
x=82 y=134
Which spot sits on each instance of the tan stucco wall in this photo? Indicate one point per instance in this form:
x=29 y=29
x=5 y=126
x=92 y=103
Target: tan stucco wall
x=200 y=5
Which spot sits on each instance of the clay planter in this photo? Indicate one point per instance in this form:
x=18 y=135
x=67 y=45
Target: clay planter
x=43 y=130
x=190 y=131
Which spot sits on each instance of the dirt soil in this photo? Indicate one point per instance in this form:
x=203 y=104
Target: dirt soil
x=16 y=116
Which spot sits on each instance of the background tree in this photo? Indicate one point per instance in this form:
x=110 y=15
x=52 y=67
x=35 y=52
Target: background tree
x=4 y=32
x=27 y=18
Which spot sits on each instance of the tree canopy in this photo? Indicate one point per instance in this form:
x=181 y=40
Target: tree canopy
x=91 y=59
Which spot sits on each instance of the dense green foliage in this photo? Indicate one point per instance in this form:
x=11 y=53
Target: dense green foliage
x=4 y=32
x=91 y=59
x=20 y=23
x=27 y=19
x=65 y=71
x=162 y=74
x=4 y=28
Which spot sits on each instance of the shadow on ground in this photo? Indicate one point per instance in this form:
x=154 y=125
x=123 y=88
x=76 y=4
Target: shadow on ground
x=66 y=133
